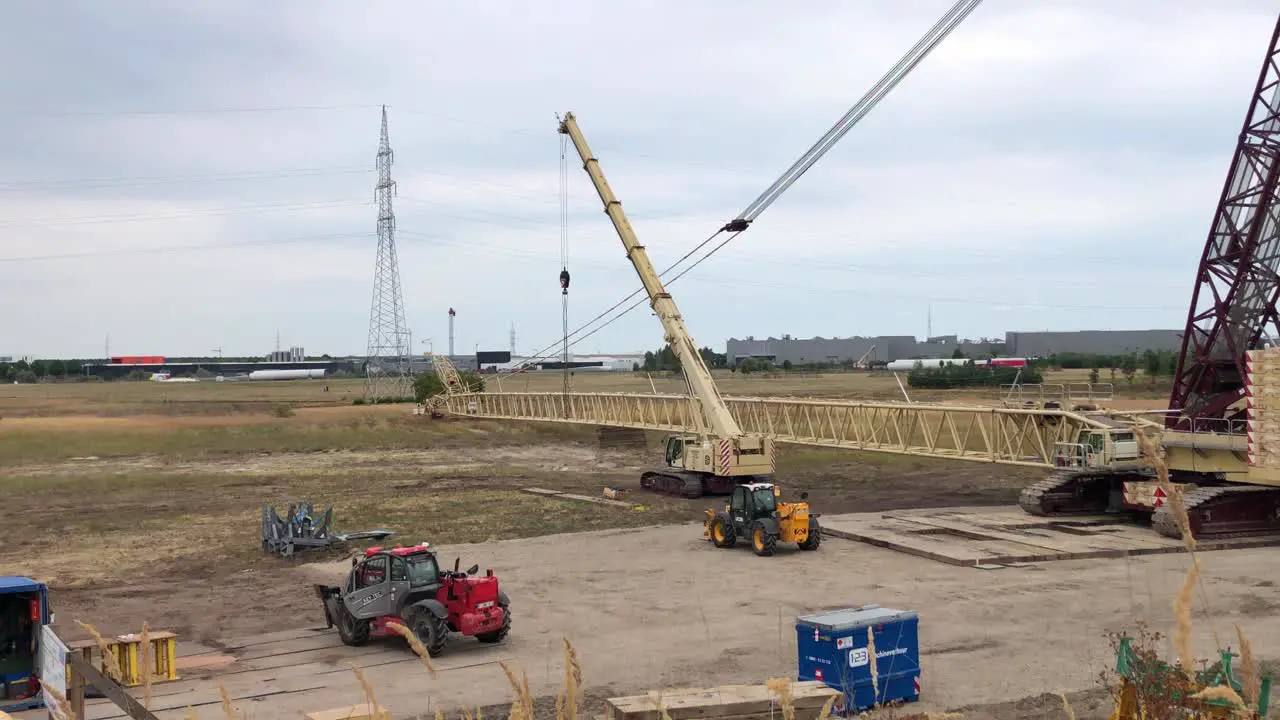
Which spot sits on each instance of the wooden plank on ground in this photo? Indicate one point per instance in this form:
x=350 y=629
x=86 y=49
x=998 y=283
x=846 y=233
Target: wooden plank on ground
x=190 y=648
x=314 y=665
x=925 y=546
x=352 y=712
x=720 y=702
x=188 y=664
x=310 y=667
x=1060 y=545
x=1097 y=531
x=246 y=641
x=1044 y=534
x=559 y=495
x=210 y=695
x=318 y=641
x=986 y=537
x=597 y=500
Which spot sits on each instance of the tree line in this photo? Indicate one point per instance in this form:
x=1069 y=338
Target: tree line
x=38 y=370
x=949 y=377
x=1153 y=363
x=665 y=360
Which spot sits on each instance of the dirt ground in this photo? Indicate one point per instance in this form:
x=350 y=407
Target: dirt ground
x=995 y=643
x=174 y=542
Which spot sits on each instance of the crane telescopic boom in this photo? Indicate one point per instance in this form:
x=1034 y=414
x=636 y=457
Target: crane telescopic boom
x=720 y=455
x=715 y=412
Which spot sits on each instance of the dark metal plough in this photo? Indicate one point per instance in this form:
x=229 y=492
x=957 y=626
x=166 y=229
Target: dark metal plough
x=302 y=530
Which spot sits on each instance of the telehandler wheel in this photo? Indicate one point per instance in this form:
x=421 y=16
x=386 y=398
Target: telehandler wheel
x=432 y=631
x=814 y=538
x=352 y=630
x=722 y=533
x=763 y=541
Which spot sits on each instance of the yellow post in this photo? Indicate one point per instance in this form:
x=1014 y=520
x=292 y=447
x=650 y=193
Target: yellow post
x=166 y=644
x=127 y=651
x=164 y=665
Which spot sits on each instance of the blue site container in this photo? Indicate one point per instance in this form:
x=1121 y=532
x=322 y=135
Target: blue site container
x=24 y=609
x=832 y=648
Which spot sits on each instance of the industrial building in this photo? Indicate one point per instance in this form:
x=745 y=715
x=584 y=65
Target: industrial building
x=504 y=361
x=881 y=349
x=214 y=368
x=887 y=348
x=293 y=354
x=1093 y=342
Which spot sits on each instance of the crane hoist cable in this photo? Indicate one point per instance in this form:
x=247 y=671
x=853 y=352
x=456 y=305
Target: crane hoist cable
x=866 y=104
x=564 y=267
x=949 y=21
x=542 y=353
x=931 y=39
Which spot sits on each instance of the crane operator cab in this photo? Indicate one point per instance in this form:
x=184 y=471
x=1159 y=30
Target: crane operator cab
x=675 y=451
x=690 y=452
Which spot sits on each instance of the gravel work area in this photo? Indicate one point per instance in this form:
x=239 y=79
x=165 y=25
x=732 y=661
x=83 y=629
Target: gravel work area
x=660 y=607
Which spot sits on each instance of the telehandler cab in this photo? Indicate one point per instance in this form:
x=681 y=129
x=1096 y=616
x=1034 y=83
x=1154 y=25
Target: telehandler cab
x=754 y=512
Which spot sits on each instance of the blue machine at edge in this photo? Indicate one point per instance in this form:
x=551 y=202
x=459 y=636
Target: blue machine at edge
x=24 y=610
x=832 y=649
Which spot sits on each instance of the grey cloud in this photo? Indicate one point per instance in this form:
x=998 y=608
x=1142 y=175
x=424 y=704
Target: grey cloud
x=692 y=110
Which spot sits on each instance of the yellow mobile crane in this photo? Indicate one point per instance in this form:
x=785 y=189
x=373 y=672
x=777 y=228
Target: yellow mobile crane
x=719 y=455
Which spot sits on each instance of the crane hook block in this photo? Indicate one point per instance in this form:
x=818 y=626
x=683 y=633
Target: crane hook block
x=564 y=279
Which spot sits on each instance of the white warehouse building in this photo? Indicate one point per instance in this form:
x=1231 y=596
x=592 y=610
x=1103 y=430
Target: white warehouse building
x=584 y=363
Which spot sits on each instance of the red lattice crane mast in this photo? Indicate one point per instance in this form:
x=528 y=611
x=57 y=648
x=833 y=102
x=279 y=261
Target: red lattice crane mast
x=1233 y=308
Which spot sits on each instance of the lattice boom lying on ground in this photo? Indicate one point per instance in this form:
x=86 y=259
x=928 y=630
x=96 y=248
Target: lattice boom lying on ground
x=978 y=433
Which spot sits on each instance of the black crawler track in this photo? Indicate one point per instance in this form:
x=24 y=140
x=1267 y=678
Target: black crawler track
x=673 y=482
x=1067 y=492
x=1223 y=511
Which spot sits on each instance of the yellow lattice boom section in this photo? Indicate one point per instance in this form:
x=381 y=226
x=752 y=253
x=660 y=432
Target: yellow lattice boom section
x=1011 y=436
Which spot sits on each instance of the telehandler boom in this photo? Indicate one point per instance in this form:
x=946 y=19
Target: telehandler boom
x=719 y=455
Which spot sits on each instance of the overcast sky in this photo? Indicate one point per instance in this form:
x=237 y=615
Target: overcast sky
x=190 y=175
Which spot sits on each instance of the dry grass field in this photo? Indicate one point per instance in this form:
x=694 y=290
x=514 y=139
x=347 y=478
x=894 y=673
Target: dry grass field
x=240 y=399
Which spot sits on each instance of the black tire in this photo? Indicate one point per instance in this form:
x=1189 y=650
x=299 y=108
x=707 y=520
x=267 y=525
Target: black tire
x=722 y=533
x=814 y=539
x=501 y=632
x=763 y=541
x=352 y=630
x=432 y=631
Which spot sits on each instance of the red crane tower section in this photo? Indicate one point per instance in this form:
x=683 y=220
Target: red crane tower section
x=1233 y=308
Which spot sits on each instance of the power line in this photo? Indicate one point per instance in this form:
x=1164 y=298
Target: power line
x=202 y=212
x=45 y=112
x=182 y=248
x=142 y=180
x=756 y=258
